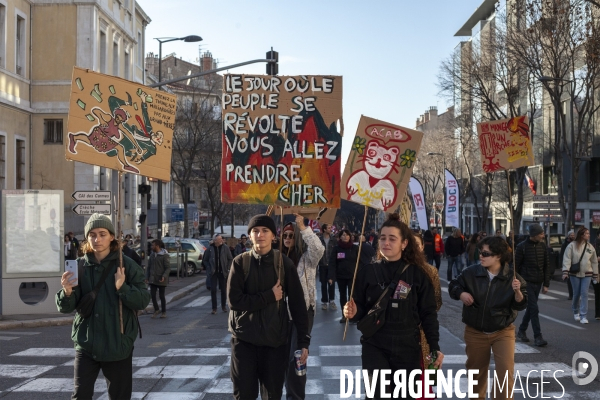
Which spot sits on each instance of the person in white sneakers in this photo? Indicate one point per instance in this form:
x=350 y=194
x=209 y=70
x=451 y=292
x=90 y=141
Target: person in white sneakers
x=580 y=265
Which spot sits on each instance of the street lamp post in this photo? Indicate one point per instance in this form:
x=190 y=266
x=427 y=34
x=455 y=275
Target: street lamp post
x=159 y=206
x=572 y=158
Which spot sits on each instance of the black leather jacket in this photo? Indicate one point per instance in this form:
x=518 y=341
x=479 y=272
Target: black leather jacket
x=494 y=306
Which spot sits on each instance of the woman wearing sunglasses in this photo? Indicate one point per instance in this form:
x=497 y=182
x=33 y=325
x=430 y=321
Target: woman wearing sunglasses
x=305 y=249
x=342 y=264
x=492 y=294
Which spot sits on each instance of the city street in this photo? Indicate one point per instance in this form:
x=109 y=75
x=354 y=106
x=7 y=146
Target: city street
x=186 y=356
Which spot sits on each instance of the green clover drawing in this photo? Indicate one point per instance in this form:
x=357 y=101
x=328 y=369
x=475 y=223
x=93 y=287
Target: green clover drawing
x=359 y=144
x=408 y=158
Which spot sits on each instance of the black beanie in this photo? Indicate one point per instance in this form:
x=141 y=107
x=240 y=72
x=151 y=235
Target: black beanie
x=262 y=220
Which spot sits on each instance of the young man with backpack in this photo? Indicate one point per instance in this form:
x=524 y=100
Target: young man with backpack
x=262 y=284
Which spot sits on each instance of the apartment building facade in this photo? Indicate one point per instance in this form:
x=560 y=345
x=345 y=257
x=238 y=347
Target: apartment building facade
x=42 y=42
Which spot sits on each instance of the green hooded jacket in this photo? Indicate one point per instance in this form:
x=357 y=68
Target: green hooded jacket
x=99 y=336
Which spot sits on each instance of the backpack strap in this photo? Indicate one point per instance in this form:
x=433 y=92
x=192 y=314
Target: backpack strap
x=246 y=263
x=247 y=258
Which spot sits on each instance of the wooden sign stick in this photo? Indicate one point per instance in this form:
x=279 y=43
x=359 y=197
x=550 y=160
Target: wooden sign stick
x=120 y=239
x=512 y=222
x=360 y=243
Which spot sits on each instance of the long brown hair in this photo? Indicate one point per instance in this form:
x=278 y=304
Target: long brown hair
x=411 y=253
x=87 y=248
x=579 y=238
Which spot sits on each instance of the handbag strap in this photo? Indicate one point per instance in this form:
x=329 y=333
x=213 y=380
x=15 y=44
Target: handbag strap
x=582 y=253
x=103 y=278
x=392 y=284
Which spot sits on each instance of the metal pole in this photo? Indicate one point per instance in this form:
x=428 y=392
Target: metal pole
x=572 y=206
x=159 y=197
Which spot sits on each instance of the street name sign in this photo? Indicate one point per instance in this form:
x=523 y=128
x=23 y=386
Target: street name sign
x=97 y=195
x=549 y=219
x=547 y=205
x=89 y=209
x=546 y=197
x=546 y=212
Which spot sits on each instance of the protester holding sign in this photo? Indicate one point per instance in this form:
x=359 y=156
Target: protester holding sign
x=103 y=333
x=393 y=341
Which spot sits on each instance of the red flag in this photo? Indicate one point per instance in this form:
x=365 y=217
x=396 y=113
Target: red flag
x=530 y=183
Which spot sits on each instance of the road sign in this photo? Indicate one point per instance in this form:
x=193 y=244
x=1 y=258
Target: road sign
x=547 y=205
x=89 y=209
x=549 y=219
x=546 y=197
x=176 y=214
x=97 y=195
x=546 y=212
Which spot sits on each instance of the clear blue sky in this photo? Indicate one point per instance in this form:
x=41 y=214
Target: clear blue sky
x=388 y=51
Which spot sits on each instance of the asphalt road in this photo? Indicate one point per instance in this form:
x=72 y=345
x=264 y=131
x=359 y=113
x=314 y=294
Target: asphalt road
x=186 y=355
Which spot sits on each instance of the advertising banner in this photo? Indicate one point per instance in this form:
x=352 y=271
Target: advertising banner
x=380 y=164
x=120 y=125
x=452 y=200
x=416 y=190
x=282 y=140
x=505 y=144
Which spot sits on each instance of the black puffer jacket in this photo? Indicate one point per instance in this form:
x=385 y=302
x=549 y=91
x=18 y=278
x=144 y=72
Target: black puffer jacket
x=531 y=260
x=494 y=307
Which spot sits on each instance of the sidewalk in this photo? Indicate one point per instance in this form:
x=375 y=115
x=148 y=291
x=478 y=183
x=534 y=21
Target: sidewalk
x=177 y=289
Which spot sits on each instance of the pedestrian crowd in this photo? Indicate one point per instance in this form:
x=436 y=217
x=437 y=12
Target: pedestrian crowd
x=268 y=288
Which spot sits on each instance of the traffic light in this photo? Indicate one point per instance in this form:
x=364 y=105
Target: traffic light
x=142 y=218
x=144 y=189
x=272 y=67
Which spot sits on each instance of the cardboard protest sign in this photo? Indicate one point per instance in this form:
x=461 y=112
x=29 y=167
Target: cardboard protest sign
x=120 y=124
x=282 y=140
x=380 y=164
x=505 y=144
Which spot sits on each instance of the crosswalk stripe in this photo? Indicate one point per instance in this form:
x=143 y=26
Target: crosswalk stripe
x=546 y=297
x=46 y=352
x=8 y=337
x=561 y=322
x=19 y=333
x=338 y=351
x=200 y=301
x=57 y=385
x=136 y=362
x=23 y=371
x=215 y=351
x=179 y=372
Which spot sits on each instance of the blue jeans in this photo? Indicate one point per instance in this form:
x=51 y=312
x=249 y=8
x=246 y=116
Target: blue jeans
x=455 y=267
x=581 y=286
x=532 y=312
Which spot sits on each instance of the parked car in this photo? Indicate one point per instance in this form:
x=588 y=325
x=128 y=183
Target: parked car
x=194 y=249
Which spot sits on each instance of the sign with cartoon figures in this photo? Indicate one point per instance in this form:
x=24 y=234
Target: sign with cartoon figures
x=282 y=140
x=380 y=164
x=120 y=124
x=505 y=144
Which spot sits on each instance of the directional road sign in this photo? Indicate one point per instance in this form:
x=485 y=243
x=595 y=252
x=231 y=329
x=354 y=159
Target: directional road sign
x=547 y=206
x=89 y=209
x=546 y=197
x=546 y=212
x=97 y=195
x=549 y=219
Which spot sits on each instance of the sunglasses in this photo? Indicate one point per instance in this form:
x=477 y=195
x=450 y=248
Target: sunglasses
x=288 y=235
x=486 y=254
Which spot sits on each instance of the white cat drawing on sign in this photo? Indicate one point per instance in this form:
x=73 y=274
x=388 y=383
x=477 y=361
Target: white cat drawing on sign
x=371 y=185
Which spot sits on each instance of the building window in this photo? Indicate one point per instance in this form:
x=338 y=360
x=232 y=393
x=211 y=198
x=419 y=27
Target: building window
x=2 y=36
x=2 y=162
x=103 y=185
x=20 y=46
x=103 y=52
x=126 y=62
x=116 y=59
x=140 y=50
x=20 y=164
x=594 y=175
x=53 y=131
